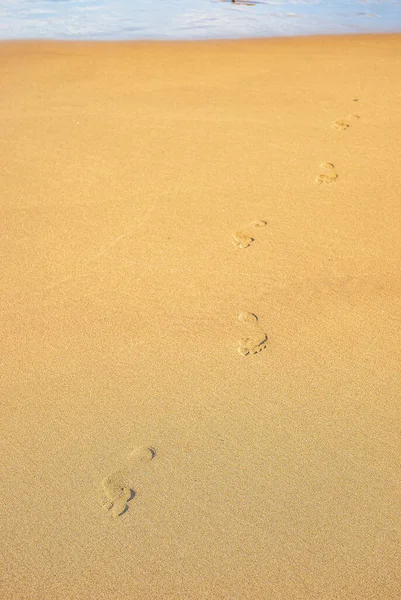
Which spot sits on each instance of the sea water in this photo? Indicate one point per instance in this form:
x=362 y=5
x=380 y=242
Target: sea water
x=193 y=19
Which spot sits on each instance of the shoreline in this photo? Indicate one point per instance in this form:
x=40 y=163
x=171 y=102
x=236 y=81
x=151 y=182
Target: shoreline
x=124 y=42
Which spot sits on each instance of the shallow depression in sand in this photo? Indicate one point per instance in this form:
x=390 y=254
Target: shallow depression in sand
x=256 y=339
x=117 y=488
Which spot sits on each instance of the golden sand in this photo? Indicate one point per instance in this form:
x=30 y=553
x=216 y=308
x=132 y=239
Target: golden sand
x=228 y=392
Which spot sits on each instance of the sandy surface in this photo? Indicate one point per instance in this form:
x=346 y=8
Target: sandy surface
x=127 y=170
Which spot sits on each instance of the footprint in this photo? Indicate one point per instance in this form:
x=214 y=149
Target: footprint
x=243 y=239
x=257 y=340
x=144 y=454
x=116 y=488
x=328 y=177
x=117 y=492
x=343 y=124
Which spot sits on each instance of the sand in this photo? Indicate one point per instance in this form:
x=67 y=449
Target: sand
x=201 y=252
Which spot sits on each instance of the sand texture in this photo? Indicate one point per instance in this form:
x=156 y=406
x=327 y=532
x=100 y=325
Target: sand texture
x=201 y=317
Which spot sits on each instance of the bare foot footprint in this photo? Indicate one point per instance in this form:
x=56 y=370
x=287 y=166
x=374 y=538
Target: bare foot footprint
x=328 y=177
x=243 y=239
x=143 y=454
x=116 y=488
x=258 y=224
x=257 y=340
x=117 y=493
x=343 y=124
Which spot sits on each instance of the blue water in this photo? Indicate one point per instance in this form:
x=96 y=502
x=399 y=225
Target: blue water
x=193 y=19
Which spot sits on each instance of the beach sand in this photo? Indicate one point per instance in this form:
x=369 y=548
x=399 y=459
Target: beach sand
x=201 y=253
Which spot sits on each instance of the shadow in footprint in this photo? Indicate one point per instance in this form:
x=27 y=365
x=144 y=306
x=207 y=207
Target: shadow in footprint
x=131 y=497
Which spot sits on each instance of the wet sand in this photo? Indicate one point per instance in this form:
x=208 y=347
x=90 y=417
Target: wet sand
x=201 y=345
